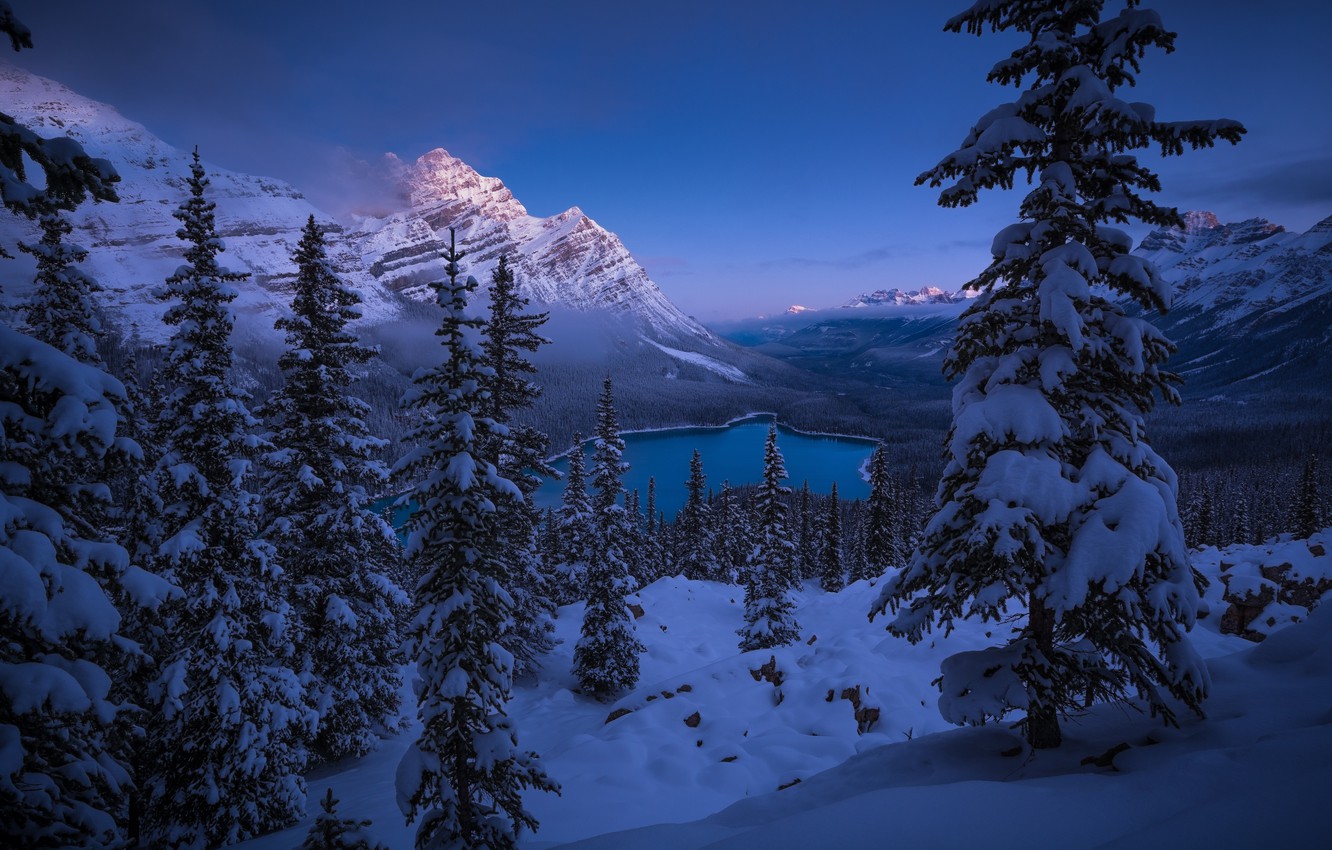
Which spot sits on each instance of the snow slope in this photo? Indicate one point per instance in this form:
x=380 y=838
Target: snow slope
x=714 y=750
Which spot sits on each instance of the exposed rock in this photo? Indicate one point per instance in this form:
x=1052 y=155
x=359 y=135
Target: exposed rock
x=617 y=714
x=693 y=720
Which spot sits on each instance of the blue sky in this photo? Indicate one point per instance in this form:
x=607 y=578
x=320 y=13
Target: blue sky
x=751 y=154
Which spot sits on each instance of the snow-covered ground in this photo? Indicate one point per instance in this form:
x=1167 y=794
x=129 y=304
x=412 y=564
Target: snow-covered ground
x=713 y=753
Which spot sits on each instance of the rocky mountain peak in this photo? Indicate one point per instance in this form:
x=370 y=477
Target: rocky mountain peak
x=1197 y=221
x=437 y=176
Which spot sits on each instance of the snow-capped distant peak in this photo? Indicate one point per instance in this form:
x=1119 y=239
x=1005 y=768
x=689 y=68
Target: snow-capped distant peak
x=924 y=295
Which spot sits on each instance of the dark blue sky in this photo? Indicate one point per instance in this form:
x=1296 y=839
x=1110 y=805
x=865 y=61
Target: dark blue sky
x=753 y=153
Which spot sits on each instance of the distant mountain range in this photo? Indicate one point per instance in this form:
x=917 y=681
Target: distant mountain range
x=1252 y=311
x=567 y=260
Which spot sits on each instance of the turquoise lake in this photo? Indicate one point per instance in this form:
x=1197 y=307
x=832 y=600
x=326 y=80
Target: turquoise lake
x=732 y=453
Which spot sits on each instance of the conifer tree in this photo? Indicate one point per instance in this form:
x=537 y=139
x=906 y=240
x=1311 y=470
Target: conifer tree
x=1308 y=511
x=462 y=778
x=330 y=832
x=1051 y=498
x=769 y=606
x=697 y=553
x=832 y=571
x=520 y=456
x=336 y=552
x=62 y=312
x=731 y=533
x=224 y=748
x=807 y=544
x=654 y=558
x=573 y=519
x=64 y=770
x=606 y=657
x=882 y=519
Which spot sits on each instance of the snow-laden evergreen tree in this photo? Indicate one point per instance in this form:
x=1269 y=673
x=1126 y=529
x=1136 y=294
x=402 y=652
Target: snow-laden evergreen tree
x=520 y=456
x=65 y=770
x=573 y=519
x=61 y=311
x=462 y=779
x=653 y=555
x=697 y=554
x=1307 y=515
x=832 y=569
x=336 y=552
x=225 y=750
x=882 y=520
x=806 y=538
x=769 y=605
x=606 y=656
x=1051 y=499
x=330 y=832
x=733 y=535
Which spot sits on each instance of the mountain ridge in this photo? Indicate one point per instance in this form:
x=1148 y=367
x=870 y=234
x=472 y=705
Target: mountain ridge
x=566 y=260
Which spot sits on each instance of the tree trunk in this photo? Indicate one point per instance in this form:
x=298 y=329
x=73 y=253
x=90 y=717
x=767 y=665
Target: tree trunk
x=1043 y=721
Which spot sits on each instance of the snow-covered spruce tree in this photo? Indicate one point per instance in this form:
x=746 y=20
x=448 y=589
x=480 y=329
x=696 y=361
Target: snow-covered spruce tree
x=573 y=522
x=769 y=581
x=463 y=777
x=697 y=555
x=64 y=775
x=330 y=832
x=882 y=520
x=733 y=535
x=336 y=552
x=1052 y=499
x=61 y=311
x=832 y=571
x=225 y=749
x=1307 y=513
x=806 y=537
x=606 y=656
x=520 y=456
x=654 y=562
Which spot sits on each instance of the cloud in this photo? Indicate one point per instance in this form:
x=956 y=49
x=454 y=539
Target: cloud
x=856 y=261
x=1304 y=181
x=343 y=183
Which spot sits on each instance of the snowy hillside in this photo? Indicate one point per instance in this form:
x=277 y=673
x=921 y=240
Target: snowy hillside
x=567 y=260
x=836 y=741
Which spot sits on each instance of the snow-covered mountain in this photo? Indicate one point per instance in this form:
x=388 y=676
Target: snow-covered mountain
x=1242 y=266
x=1253 y=301
x=567 y=260
x=885 y=297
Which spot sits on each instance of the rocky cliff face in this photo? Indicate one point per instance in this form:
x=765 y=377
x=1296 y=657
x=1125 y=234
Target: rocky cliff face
x=1252 y=304
x=566 y=260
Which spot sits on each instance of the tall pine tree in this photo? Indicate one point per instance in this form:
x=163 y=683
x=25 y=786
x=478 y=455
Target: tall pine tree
x=606 y=657
x=697 y=555
x=463 y=777
x=520 y=456
x=225 y=748
x=336 y=552
x=573 y=522
x=1052 y=499
x=882 y=520
x=832 y=570
x=769 y=605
